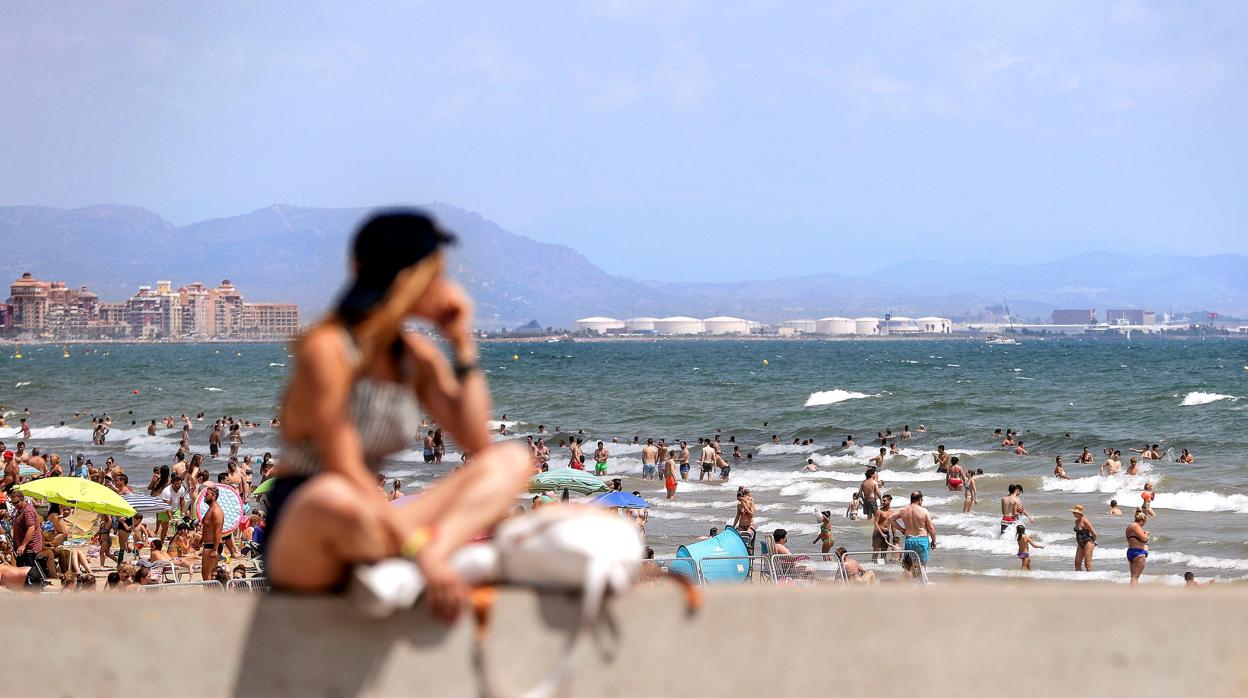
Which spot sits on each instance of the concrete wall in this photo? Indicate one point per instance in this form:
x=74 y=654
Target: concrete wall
x=1017 y=641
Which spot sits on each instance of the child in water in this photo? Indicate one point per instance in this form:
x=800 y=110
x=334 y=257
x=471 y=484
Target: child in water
x=1025 y=543
x=851 y=512
x=1147 y=495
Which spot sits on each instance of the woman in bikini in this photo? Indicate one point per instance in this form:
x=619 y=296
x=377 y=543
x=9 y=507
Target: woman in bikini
x=825 y=533
x=1137 y=546
x=1025 y=543
x=1085 y=540
x=352 y=401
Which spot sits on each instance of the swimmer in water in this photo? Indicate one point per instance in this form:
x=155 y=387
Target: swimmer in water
x=1112 y=464
x=855 y=503
x=1059 y=471
x=1147 y=495
x=1020 y=451
x=1113 y=508
x=1133 y=468
x=941 y=458
x=1085 y=456
x=1025 y=543
x=810 y=466
x=1186 y=457
x=955 y=476
x=878 y=461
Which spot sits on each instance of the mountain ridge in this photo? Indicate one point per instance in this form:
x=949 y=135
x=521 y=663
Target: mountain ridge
x=299 y=254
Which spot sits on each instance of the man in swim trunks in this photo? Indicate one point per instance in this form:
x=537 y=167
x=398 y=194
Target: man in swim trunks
x=1012 y=508
x=213 y=523
x=706 y=460
x=870 y=491
x=953 y=478
x=649 y=460
x=600 y=459
x=725 y=469
x=684 y=460
x=662 y=446
x=878 y=460
x=881 y=538
x=941 y=458
x=669 y=475
x=920 y=531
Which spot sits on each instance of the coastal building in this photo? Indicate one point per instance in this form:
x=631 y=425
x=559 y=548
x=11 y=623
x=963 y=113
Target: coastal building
x=801 y=326
x=1130 y=317
x=601 y=325
x=867 y=325
x=835 y=325
x=52 y=310
x=678 y=324
x=934 y=325
x=640 y=325
x=900 y=324
x=725 y=325
x=1074 y=317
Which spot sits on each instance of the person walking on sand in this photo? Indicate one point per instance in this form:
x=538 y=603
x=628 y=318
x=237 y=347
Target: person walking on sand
x=1085 y=539
x=212 y=541
x=1137 y=546
x=1025 y=543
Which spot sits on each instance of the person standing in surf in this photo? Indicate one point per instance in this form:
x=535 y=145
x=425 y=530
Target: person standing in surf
x=956 y=475
x=1137 y=546
x=1085 y=539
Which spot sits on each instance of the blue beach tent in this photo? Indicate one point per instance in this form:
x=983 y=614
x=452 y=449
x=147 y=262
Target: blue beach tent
x=727 y=544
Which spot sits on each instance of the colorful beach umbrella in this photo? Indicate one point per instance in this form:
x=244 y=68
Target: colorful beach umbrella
x=577 y=481
x=620 y=500
x=24 y=470
x=146 y=504
x=79 y=493
x=231 y=506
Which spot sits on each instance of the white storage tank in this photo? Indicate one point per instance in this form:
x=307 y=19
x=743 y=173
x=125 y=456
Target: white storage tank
x=835 y=325
x=725 y=325
x=601 y=325
x=678 y=324
x=802 y=326
x=935 y=325
x=640 y=324
x=867 y=325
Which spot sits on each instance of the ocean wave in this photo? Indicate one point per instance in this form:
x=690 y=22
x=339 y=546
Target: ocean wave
x=790 y=527
x=22 y=384
x=215 y=390
x=831 y=397
x=1186 y=501
x=1108 y=484
x=66 y=433
x=1202 y=398
x=494 y=424
x=785 y=449
x=818 y=493
x=1008 y=546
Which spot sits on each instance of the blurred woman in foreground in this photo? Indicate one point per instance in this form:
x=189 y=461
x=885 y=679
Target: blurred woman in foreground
x=352 y=401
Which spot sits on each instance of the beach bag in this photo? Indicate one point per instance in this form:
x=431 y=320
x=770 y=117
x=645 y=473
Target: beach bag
x=570 y=548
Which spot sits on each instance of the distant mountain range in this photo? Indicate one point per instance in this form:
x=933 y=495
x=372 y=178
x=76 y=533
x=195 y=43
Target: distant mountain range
x=284 y=253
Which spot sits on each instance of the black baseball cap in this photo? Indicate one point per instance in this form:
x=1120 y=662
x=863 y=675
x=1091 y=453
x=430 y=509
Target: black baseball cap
x=389 y=242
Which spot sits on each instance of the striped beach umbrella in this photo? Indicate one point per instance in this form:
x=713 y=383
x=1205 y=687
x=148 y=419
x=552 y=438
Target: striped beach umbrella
x=146 y=504
x=231 y=506
x=577 y=481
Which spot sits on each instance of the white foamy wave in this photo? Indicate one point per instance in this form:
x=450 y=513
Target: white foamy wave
x=831 y=397
x=1202 y=398
x=1072 y=576
x=1095 y=483
x=818 y=493
x=66 y=433
x=273 y=364
x=494 y=424
x=22 y=384
x=677 y=504
x=1008 y=546
x=688 y=516
x=799 y=529
x=1187 y=501
x=783 y=449
x=215 y=390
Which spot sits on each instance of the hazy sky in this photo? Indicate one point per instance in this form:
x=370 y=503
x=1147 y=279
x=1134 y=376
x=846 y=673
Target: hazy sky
x=763 y=138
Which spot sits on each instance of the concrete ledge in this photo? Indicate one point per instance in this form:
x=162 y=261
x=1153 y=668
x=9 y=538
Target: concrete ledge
x=1026 y=640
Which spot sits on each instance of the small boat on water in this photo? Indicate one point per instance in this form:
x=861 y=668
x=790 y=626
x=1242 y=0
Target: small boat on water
x=998 y=340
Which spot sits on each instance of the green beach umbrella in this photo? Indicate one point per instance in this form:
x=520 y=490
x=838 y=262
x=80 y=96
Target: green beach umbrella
x=264 y=487
x=577 y=481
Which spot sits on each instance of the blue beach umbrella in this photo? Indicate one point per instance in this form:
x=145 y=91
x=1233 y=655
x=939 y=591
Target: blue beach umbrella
x=621 y=500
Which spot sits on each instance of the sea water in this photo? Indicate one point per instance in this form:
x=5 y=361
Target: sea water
x=1060 y=394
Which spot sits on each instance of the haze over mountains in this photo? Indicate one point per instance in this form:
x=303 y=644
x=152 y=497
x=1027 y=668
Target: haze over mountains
x=284 y=253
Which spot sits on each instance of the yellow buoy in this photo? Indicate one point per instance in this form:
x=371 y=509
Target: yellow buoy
x=65 y=352
x=18 y=353
x=515 y=357
x=764 y=362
